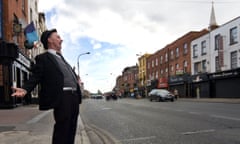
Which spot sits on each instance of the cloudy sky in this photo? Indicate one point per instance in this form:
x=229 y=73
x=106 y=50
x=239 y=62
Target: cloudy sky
x=114 y=31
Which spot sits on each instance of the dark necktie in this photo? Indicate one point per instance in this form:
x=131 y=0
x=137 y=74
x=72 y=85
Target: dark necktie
x=62 y=58
x=69 y=67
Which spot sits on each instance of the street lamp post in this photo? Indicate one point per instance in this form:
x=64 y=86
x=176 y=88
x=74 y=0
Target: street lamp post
x=78 y=61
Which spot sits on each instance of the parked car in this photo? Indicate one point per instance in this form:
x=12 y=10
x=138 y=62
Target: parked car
x=161 y=95
x=110 y=96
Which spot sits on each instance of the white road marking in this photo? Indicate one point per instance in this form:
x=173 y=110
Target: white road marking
x=139 y=138
x=196 y=113
x=106 y=108
x=225 y=117
x=197 y=132
x=38 y=117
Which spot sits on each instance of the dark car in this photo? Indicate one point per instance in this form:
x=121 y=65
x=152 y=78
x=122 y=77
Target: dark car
x=97 y=96
x=110 y=96
x=160 y=95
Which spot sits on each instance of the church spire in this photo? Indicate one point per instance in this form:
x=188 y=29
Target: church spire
x=213 y=23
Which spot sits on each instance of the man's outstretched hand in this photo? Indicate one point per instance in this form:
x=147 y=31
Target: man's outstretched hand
x=19 y=92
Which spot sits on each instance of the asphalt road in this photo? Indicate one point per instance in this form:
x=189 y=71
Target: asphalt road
x=130 y=121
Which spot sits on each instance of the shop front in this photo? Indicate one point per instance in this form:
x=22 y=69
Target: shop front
x=180 y=84
x=200 y=86
x=14 y=70
x=225 y=84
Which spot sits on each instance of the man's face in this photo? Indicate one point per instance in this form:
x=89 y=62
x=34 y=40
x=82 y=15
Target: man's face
x=55 y=41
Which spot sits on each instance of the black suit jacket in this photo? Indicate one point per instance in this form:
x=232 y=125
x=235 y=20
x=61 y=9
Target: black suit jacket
x=47 y=73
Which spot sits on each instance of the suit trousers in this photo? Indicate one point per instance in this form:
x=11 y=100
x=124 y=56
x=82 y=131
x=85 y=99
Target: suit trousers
x=66 y=117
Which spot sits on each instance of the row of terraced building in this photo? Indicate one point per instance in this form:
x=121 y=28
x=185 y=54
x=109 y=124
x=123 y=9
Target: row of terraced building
x=199 y=64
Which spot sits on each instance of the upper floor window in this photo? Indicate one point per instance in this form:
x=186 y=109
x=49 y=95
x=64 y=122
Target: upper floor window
x=161 y=71
x=177 y=52
x=23 y=5
x=233 y=35
x=204 y=66
x=152 y=63
x=217 y=64
x=217 y=42
x=156 y=61
x=148 y=65
x=195 y=54
x=166 y=57
x=125 y=78
x=185 y=50
x=171 y=54
x=197 y=67
x=166 y=70
x=204 y=48
x=177 y=66
x=172 y=68
x=185 y=64
x=234 y=60
x=156 y=75
x=161 y=59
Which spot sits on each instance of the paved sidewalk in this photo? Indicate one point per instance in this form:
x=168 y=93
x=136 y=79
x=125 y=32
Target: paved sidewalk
x=21 y=126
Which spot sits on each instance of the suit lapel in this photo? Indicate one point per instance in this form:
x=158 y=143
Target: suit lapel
x=52 y=59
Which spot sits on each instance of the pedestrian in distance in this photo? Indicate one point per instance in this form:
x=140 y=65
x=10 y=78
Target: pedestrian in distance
x=175 y=92
x=59 y=88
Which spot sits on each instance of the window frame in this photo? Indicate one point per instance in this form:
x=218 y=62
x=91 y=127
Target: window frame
x=204 y=47
x=233 y=35
x=195 y=51
x=234 y=63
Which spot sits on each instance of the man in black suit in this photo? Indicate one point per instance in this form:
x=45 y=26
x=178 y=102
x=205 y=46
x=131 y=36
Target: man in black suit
x=59 y=88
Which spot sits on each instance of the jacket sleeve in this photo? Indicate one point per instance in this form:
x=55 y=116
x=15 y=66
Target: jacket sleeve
x=35 y=76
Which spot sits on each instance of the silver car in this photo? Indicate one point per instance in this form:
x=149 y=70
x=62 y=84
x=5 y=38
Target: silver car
x=160 y=95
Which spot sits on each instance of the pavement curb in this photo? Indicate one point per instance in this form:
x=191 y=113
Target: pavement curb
x=82 y=137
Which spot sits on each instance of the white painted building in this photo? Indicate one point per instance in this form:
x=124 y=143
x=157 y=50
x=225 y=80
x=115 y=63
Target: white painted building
x=225 y=46
x=218 y=50
x=200 y=54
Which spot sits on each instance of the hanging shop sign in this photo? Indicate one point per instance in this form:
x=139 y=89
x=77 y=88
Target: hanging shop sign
x=22 y=59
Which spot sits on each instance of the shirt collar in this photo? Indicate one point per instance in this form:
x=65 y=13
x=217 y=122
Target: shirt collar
x=52 y=51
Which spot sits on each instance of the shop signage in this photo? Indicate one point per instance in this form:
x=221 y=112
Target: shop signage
x=197 y=79
x=162 y=83
x=175 y=79
x=224 y=74
x=179 y=71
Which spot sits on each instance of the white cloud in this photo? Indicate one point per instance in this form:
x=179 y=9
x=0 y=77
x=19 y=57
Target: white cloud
x=115 y=31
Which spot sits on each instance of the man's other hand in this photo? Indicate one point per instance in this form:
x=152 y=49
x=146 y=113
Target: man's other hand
x=19 y=92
